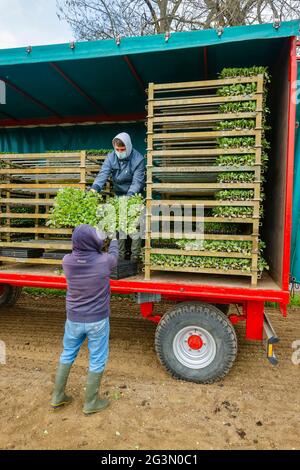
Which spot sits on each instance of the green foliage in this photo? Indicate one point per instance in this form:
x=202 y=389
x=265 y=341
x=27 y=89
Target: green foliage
x=227 y=246
x=221 y=228
x=235 y=142
x=18 y=222
x=237 y=107
x=231 y=211
x=235 y=195
x=236 y=177
x=88 y=152
x=73 y=206
x=235 y=124
x=121 y=214
x=236 y=160
x=206 y=262
x=237 y=89
x=229 y=72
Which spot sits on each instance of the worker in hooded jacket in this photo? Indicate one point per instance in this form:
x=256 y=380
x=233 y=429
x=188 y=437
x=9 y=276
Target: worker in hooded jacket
x=126 y=166
x=87 y=270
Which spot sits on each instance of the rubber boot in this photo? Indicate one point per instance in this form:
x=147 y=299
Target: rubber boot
x=136 y=246
x=59 y=397
x=122 y=249
x=93 y=404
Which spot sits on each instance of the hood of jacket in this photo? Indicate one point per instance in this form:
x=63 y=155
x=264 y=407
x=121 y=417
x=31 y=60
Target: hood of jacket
x=125 y=138
x=86 y=239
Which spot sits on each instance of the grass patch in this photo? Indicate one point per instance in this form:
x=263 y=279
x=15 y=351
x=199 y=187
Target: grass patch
x=294 y=302
x=42 y=291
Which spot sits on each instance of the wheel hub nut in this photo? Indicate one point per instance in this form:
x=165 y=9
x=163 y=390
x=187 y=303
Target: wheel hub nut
x=195 y=342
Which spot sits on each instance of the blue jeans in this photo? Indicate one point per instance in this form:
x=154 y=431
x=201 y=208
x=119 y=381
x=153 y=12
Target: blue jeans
x=98 y=337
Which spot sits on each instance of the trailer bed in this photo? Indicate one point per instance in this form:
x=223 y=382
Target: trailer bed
x=234 y=289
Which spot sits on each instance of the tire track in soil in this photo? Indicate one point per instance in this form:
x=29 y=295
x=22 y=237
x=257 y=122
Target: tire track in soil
x=255 y=406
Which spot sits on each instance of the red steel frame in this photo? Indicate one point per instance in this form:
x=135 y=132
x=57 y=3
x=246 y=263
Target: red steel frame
x=252 y=300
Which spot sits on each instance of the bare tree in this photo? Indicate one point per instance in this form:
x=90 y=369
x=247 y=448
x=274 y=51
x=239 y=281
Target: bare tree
x=101 y=19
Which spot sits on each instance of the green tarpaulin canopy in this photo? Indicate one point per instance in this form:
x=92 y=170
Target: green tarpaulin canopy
x=103 y=84
x=101 y=81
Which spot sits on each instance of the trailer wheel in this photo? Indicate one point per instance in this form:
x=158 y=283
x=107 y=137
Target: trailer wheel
x=9 y=295
x=196 y=342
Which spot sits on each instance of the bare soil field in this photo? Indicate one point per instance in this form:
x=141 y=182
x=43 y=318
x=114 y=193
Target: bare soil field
x=257 y=406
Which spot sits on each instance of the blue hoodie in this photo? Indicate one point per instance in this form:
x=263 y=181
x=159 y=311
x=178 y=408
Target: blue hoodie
x=128 y=175
x=87 y=271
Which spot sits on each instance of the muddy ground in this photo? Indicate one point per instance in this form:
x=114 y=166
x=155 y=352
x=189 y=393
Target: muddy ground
x=256 y=406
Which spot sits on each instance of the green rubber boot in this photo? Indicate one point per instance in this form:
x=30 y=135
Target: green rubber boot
x=59 y=397
x=93 y=404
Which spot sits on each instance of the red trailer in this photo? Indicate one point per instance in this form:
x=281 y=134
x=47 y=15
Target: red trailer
x=195 y=340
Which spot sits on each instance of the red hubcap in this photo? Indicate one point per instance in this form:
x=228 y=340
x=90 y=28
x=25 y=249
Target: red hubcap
x=195 y=342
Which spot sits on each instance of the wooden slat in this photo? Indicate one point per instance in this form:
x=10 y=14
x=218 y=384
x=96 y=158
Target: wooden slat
x=149 y=186
x=188 y=202
x=200 y=152
x=30 y=260
x=54 y=231
x=26 y=202
x=200 y=135
x=25 y=185
x=205 y=100
x=206 y=236
x=221 y=254
x=17 y=215
x=204 y=185
x=42 y=156
x=41 y=170
x=39 y=244
x=186 y=218
x=205 y=83
x=200 y=270
x=205 y=117
x=200 y=169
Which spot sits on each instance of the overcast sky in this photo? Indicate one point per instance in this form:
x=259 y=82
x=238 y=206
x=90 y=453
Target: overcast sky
x=31 y=22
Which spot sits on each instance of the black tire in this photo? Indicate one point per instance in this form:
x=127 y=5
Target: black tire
x=210 y=324
x=9 y=295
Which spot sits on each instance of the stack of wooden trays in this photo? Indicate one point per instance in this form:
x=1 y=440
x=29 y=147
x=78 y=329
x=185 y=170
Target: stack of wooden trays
x=28 y=185
x=187 y=139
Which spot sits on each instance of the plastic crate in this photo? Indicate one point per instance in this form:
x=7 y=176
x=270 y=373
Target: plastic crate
x=124 y=269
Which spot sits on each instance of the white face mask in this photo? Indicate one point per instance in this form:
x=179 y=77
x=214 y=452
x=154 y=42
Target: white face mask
x=121 y=155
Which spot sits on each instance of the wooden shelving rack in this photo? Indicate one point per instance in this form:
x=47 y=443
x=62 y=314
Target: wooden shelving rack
x=182 y=147
x=28 y=184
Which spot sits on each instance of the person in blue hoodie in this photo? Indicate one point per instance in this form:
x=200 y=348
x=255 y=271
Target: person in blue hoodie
x=87 y=270
x=127 y=167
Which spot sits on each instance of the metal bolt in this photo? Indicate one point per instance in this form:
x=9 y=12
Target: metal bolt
x=276 y=23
